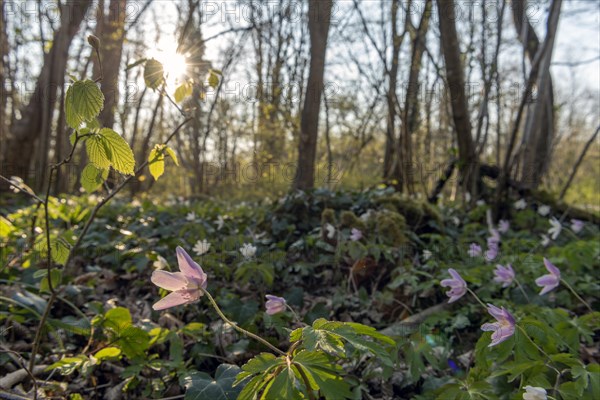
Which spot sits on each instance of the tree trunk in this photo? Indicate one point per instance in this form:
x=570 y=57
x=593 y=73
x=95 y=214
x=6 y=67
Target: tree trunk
x=111 y=49
x=390 y=138
x=411 y=104
x=319 y=18
x=37 y=115
x=458 y=99
x=539 y=125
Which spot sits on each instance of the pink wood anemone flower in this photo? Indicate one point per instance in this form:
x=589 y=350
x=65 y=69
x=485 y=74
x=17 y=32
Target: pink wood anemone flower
x=458 y=286
x=186 y=286
x=474 y=250
x=549 y=281
x=504 y=275
x=274 y=304
x=503 y=329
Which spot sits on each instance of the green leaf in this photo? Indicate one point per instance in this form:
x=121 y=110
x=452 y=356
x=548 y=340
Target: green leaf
x=108 y=353
x=156 y=161
x=284 y=386
x=121 y=155
x=68 y=365
x=154 y=74
x=325 y=374
x=213 y=78
x=84 y=101
x=201 y=386
x=184 y=90
x=92 y=177
x=172 y=154
x=117 y=319
x=133 y=341
x=59 y=250
x=97 y=152
x=6 y=227
x=56 y=275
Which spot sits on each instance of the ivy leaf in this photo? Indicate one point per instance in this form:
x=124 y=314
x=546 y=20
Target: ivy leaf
x=120 y=154
x=201 y=386
x=184 y=90
x=97 y=152
x=156 y=161
x=154 y=74
x=83 y=102
x=92 y=177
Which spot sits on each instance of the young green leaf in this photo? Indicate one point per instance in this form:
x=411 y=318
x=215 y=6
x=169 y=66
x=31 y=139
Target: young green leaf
x=153 y=74
x=213 y=78
x=120 y=154
x=97 y=152
x=172 y=154
x=83 y=102
x=156 y=162
x=92 y=177
x=184 y=90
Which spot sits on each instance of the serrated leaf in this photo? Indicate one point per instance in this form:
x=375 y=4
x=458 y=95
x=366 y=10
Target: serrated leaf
x=156 y=161
x=184 y=90
x=201 y=386
x=92 y=177
x=153 y=74
x=83 y=102
x=59 y=251
x=97 y=152
x=121 y=155
x=108 y=353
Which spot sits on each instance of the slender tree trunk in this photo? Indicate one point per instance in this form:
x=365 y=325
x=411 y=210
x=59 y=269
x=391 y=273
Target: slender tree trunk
x=539 y=125
x=390 y=138
x=411 y=104
x=458 y=99
x=319 y=19
x=34 y=126
x=111 y=50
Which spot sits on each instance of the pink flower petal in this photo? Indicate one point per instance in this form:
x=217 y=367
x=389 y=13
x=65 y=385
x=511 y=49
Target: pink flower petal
x=188 y=266
x=176 y=299
x=456 y=275
x=551 y=268
x=490 y=326
x=169 y=280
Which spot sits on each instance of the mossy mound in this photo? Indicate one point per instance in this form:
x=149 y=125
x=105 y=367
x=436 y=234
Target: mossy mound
x=415 y=212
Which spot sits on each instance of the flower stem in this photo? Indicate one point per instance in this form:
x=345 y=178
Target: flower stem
x=577 y=295
x=522 y=290
x=237 y=328
x=296 y=316
x=477 y=298
x=537 y=346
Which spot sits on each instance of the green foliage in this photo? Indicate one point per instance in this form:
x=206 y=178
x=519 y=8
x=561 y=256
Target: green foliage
x=156 y=160
x=93 y=177
x=83 y=102
x=154 y=74
x=202 y=386
x=107 y=148
x=183 y=91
